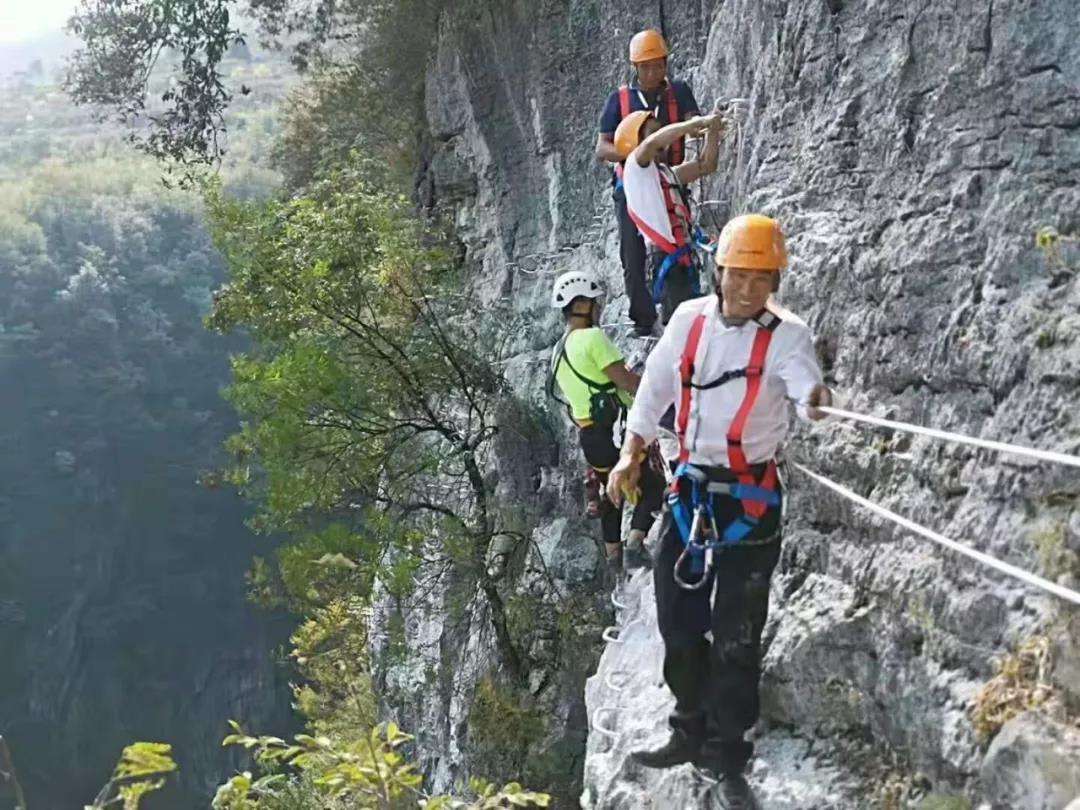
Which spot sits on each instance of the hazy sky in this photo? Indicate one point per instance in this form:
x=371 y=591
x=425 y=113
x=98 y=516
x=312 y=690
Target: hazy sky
x=21 y=19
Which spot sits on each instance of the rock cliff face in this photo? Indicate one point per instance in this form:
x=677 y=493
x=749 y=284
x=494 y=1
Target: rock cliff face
x=911 y=150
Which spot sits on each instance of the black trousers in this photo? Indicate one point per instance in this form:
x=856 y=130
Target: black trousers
x=634 y=258
x=679 y=284
x=716 y=684
x=601 y=454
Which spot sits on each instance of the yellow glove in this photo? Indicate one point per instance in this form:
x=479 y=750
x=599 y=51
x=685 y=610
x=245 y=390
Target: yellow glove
x=632 y=491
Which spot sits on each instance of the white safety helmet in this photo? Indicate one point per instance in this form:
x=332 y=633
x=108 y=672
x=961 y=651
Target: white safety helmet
x=574 y=284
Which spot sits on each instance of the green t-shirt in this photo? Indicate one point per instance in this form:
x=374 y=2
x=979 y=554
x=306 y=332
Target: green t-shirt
x=589 y=351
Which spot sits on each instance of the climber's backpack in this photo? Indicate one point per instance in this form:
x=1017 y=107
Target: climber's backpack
x=605 y=407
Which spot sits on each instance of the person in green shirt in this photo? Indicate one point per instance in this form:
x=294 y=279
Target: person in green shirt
x=592 y=375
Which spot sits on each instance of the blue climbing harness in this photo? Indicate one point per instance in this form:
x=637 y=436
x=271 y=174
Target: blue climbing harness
x=699 y=240
x=697 y=523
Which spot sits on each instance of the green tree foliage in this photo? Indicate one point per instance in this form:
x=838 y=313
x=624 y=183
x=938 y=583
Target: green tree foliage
x=371 y=402
x=125 y=41
x=501 y=728
x=331 y=651
x=312 y=772
x=368 y=773
x=9 y=776
x=39 y=122
x=138 y=773
x=368 y=95
x=348 y=760
x=367 y=56
x=115 y=568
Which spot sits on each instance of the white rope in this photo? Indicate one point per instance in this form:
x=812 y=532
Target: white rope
x=739 y=109
x=1001 y=447
x=1011 y=570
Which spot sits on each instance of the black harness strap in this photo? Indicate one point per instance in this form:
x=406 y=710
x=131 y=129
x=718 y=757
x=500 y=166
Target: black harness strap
x=726 y=377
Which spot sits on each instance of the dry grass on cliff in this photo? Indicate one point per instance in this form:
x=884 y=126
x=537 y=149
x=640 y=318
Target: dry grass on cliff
x=1022 y=683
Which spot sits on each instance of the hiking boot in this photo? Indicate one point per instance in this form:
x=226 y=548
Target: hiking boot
x=678 y=749
x=734 y=793
x=724 y=756
x=592 y=493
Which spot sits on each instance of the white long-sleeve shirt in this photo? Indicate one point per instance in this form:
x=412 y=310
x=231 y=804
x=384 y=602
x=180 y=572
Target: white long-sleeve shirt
x=791 y=370
x=646 y=205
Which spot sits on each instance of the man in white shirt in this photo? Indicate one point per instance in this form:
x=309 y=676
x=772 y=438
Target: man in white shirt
x=730 y=363
x=658 y=198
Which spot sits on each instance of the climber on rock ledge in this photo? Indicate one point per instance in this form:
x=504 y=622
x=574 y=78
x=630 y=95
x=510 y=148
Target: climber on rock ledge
x=591 y=372
x=658 y=199
x=671 y=101
x=729 y=362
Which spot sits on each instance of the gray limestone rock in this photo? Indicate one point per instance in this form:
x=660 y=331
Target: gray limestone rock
x=1031 y=765
x=911 y=151
x=628 y=705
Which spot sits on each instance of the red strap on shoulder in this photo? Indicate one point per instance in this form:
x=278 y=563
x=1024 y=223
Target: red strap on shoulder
x=677 y=148
x=686 y=373
x=624 y=101
x=754 y=371
x=672 y=200
x=736 y=457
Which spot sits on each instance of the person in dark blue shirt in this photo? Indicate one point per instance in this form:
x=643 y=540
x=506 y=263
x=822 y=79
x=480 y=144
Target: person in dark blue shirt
x=671 y=100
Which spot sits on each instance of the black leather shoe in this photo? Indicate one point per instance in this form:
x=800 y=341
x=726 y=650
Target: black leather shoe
x=734 y=793
x=724 y=756
x=677 y=750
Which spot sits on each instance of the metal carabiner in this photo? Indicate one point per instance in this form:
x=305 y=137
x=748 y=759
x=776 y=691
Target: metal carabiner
x=700 y=517
x=695 y=586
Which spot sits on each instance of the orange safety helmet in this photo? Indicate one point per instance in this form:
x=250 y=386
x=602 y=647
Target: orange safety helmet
x=751 y=242
x=628 y=133
x=647 y=45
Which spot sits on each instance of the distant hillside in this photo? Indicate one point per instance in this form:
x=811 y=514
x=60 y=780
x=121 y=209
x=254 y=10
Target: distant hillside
x=39 y=122
x=51 y=49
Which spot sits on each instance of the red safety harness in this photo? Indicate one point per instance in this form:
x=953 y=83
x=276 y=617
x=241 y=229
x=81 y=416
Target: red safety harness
x=673 y=117
x=678 y=211
x=766 y=322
